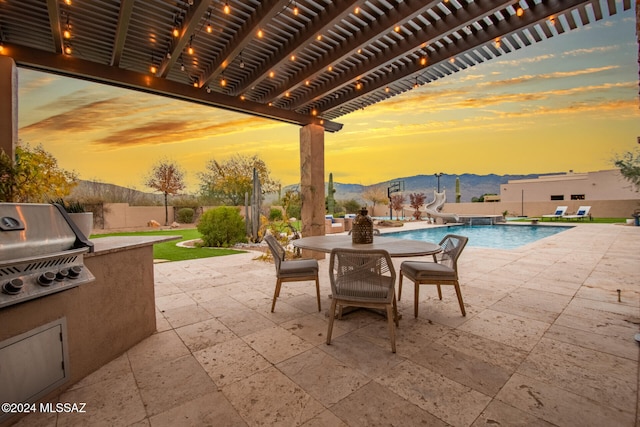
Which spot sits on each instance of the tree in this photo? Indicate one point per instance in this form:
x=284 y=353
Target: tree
x=416 y=200
x=350 y=206
x=167 y=178
x=629 y=165
x=227 y=182
x=396 y=203
x=34 y=176
x=375 y=194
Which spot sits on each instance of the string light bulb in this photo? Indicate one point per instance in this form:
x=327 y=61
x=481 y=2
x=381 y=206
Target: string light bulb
x=260 y=33
x=227 y=8
x=190 y=49
x=423 y=61
x=209 y=27
x=175 y=32
x=153 y=69
x=67 y=29
x=67 y=49
x=519 y=11
x=295 y=9
x=416 y=85
x=223 y=82
x=358 y=85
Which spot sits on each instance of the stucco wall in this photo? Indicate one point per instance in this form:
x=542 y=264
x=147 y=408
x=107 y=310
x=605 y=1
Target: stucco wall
x=123 y=216
x=599 y=208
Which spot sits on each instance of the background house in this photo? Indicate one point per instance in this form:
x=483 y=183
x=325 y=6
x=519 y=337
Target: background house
x=584 y=187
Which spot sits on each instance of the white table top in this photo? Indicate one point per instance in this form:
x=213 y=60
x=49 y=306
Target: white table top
x=396 y=247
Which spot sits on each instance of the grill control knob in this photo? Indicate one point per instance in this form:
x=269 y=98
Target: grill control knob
x=46 y=279
x=62 y=274
x=74 y=272
x=13 y=287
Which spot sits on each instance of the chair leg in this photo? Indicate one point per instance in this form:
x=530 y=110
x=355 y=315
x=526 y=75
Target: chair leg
x=416 y=293
x=395 y=313
x=332 y=315
x=400 y=286
x=276 y=294
x=459 y=294
x=392 y=329
x=318 y=293
x=439 y=291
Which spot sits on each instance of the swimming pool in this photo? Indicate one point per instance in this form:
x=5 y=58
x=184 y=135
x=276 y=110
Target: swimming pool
x=485 y=236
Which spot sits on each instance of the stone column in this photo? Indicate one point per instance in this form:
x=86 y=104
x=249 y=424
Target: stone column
x=8 y=105
x=312 y=183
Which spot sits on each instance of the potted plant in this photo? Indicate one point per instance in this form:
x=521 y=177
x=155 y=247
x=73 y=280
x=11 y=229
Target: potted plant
x=82 y=218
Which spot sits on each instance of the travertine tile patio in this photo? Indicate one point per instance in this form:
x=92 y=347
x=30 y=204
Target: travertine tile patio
x=545 y=342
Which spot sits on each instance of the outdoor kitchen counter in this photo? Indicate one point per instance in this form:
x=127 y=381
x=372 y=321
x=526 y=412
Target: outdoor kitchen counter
x=104 y=318
x=104 y=245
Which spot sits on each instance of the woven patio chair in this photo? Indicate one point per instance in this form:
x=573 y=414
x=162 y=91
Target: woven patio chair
x=297 y=270
x=363 y=278
x=442 y=272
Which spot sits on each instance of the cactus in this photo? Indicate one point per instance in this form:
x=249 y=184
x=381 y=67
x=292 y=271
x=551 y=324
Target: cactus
x=331 y=202
x=458 y=195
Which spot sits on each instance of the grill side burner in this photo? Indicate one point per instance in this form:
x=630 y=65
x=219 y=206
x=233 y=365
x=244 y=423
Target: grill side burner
x=41 y=252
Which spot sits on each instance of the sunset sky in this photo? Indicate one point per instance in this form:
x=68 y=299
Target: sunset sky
x=568 y=103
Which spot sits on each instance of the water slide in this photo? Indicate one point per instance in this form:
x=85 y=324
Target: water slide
x=433 y=209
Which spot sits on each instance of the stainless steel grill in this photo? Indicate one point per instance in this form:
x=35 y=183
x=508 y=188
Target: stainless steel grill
x=41 y=252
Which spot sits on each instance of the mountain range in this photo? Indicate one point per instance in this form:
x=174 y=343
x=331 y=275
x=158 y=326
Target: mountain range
x=471 y=186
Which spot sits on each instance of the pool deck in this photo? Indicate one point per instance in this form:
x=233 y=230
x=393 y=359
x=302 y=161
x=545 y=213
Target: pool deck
x=547 y=340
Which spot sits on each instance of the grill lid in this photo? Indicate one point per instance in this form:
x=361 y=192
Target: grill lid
x=31 y=230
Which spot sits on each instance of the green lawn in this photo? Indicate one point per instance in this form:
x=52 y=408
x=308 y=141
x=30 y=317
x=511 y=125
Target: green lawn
x=169 y=251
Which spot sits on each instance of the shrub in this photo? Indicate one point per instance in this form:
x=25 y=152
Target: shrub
x=294 y=211
x=275 y=214
x=185 y=215
x=222 y=227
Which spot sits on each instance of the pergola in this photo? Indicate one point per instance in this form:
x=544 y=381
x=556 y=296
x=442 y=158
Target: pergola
x=304 y=62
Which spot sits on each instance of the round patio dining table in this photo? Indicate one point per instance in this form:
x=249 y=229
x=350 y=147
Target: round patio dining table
x=396 y=247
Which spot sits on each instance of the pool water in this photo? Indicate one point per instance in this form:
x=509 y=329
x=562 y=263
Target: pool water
x=485 y=236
